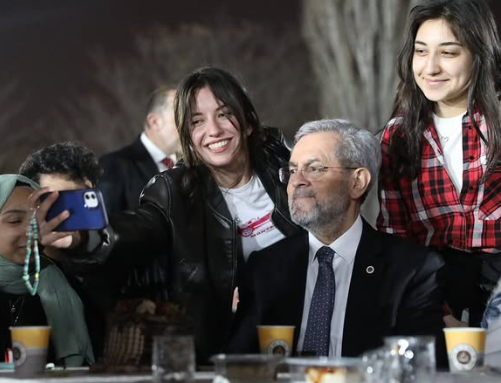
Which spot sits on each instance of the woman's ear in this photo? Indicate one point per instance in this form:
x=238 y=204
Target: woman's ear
x=361 y=179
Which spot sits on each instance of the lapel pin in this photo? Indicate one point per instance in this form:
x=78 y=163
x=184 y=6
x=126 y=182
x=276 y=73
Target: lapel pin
x=369 y=269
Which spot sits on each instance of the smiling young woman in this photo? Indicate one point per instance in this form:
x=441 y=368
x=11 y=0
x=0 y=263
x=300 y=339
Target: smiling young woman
x=206 y=215
x=36 y=292
x=440 y=181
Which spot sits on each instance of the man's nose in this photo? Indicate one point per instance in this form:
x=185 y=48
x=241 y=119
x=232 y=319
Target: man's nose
x=298 y=178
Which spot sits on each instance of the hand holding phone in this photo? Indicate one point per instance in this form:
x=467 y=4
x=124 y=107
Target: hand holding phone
x=86 y=207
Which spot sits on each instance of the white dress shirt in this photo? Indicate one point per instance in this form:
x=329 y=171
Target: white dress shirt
x=345 y=248
x=156 y=153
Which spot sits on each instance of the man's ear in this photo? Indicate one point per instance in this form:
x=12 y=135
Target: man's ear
x=360 y=182
x=153 y=120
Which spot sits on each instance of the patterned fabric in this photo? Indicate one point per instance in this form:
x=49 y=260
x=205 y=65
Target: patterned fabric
x=168 y=162
x=492 y=322
x=317 y=337
x=429 y=209
x=493 y=311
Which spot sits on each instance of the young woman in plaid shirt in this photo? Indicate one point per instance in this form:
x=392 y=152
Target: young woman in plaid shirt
x=440 y=182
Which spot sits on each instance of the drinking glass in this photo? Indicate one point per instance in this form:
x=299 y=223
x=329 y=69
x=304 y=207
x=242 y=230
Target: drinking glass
x=173 y=358
x=402 y=359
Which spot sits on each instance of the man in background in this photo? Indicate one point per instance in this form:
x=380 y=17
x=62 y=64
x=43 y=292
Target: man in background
x=128 y=170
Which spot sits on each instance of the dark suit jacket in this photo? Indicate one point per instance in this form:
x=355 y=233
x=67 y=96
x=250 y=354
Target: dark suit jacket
x=401 y=297
x=125 y=173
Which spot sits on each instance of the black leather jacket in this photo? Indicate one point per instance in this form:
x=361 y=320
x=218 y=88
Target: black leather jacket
x=199 y=238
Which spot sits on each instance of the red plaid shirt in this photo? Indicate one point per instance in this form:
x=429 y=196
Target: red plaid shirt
x=429 y=209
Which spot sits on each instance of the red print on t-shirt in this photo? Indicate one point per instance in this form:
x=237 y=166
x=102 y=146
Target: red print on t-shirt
x=249 y=229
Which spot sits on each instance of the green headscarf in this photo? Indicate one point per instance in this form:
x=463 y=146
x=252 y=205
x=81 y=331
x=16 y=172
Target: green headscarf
x=62 y=305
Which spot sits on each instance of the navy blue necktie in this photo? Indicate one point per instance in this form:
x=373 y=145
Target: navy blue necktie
x=318 y=329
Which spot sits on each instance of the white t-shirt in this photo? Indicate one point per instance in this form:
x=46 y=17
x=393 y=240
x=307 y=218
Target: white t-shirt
x=450 y=133
x=251 y=208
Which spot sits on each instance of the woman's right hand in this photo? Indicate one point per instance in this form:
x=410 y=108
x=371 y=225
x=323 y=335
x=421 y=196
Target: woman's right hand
x=46 y=234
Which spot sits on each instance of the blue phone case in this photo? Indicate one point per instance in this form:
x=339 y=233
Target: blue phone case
x=86 y=207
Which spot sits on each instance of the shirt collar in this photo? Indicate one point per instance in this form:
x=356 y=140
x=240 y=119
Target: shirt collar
x=155 y=152
x=345 y=246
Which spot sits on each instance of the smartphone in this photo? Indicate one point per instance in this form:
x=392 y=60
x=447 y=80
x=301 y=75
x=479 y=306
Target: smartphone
x=86 y=207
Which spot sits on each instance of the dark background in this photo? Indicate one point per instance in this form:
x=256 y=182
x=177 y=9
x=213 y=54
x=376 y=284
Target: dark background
x=45 y=44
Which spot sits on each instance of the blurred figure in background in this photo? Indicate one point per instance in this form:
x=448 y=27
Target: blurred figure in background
x=128 y=170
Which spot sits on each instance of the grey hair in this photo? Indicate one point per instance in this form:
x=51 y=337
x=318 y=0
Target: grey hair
x=358 y=147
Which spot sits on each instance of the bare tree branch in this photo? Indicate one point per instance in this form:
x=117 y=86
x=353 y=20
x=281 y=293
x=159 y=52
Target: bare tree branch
x=354 y=45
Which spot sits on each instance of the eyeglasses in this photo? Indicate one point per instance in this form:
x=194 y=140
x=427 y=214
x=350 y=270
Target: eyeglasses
x=311 y=173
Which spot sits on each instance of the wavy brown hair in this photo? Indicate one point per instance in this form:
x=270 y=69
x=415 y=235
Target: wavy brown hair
x=472 y=23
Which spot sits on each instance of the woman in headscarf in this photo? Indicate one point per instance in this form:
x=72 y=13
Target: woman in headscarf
x=24 y=302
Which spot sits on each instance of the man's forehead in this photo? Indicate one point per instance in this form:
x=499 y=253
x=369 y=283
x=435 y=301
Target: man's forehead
x=314 y=147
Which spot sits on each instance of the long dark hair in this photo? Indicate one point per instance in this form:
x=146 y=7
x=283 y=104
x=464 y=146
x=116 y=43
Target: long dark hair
x=472 y=23
x=230 y=93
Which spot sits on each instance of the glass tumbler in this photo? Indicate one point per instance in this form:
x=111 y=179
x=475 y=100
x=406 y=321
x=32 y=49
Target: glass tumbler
x=410 y=359
x=173 y=358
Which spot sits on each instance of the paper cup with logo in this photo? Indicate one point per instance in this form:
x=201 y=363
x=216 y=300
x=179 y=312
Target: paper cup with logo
x=29 y=349
x=276 y=340
x=465 y=348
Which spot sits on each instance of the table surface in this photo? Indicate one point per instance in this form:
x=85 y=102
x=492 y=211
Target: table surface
x=82 y=376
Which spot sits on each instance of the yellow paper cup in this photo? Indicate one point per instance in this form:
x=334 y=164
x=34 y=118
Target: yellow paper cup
x=276 y=340
x=29 y=349
x=465 y=348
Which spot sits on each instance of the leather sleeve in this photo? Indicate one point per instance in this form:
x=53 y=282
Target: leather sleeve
x=133 y=237
x=421 y=310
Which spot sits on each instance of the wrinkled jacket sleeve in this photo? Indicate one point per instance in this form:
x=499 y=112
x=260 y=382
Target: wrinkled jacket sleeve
x=133 y=237
x=393 y=217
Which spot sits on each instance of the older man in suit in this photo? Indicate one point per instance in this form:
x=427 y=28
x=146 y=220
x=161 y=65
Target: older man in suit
x=342 y=284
